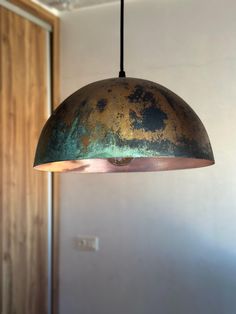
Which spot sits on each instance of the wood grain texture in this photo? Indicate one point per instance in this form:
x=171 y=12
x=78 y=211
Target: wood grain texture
x=54 y=21
x=23 y=112
x=36 y=10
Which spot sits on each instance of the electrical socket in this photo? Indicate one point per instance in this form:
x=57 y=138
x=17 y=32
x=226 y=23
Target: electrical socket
x=86 y=243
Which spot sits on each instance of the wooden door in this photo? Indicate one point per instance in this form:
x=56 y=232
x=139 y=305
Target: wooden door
x=23 y=191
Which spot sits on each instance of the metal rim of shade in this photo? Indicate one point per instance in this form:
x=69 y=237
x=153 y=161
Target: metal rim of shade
x=123 y=125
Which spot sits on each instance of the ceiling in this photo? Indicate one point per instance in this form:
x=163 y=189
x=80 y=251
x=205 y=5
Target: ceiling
x=65 y=5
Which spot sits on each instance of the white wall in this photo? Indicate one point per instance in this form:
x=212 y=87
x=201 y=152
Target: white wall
x=167 y=240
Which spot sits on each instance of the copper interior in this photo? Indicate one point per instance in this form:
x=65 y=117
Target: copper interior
x=136 y=165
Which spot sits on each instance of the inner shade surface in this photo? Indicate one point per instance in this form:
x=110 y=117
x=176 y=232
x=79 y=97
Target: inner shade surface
x=139 y=124
x=136 y=165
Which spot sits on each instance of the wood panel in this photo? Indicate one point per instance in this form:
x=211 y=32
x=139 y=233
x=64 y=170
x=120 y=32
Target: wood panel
x=23 y=112
x=54 y=21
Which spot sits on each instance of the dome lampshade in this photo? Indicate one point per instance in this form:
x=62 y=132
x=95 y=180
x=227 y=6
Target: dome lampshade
x=123 y=125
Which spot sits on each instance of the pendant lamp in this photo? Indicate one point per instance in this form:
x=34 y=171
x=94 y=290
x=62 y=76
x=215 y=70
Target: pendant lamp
x=123 y=124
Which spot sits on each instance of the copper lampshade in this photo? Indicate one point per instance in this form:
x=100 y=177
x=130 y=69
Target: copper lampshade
x=123 y=125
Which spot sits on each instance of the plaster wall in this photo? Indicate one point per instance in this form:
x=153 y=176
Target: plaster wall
x=167 y=240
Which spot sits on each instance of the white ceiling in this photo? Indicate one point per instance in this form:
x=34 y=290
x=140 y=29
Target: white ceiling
x=64 y=5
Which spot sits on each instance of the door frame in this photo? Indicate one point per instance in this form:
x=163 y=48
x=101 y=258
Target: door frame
x=54 y=21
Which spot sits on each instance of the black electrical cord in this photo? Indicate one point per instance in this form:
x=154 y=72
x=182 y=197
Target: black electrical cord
x=122 y=72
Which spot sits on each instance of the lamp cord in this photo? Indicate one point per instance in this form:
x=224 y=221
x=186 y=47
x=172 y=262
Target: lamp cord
x=122 y=72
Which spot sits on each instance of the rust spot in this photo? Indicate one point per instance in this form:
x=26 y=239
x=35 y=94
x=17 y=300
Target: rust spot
x=150 y=119
x=85 y=141
x=101 y=104
x=83 y=103
x=136 y=96
x=67 y=114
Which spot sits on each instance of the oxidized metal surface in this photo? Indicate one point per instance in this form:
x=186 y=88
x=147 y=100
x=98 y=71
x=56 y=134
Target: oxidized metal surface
x=128 y=119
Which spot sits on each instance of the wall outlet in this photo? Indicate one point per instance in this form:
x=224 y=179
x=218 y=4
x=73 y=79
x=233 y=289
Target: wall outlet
x=86 y=243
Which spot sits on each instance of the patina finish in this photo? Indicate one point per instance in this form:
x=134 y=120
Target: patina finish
x=120 y=124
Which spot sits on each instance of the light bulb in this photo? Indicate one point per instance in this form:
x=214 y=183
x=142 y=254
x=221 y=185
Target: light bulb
x=120 y=161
